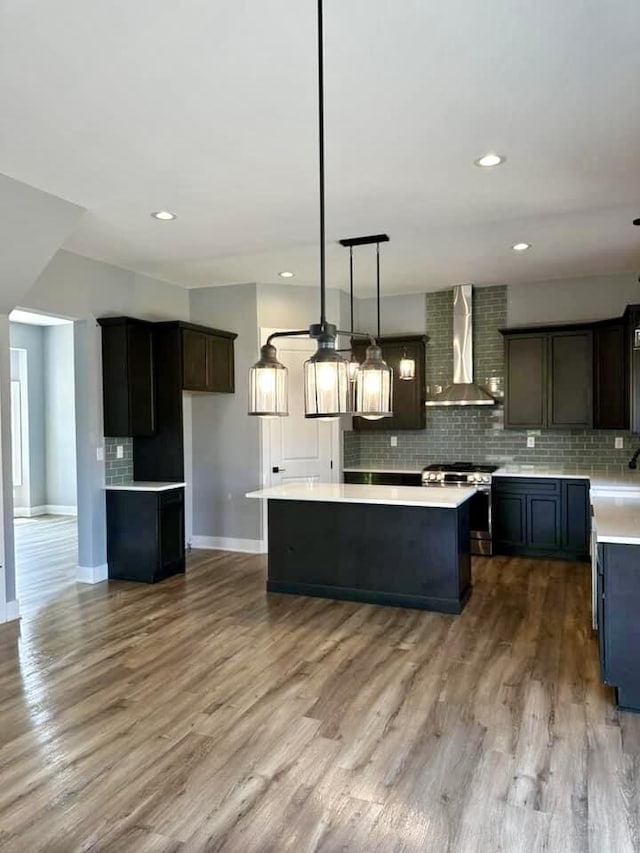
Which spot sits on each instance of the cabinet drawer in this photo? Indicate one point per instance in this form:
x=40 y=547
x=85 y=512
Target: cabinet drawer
x=523 y=485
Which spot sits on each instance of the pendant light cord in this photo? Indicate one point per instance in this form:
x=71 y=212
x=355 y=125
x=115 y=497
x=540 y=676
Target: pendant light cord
x=351 y=282
x=323 y=298
x=378 y=284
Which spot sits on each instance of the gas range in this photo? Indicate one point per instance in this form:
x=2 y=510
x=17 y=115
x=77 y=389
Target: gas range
x=458 y=474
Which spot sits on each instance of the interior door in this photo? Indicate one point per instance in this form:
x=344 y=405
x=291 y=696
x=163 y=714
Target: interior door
x=295 y=448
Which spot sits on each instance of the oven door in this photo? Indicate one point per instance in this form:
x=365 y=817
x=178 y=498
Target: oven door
x=480 y=522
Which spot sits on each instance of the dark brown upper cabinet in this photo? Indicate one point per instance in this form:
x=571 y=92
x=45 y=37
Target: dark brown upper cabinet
x=548 y=378
x=610 y=375
x=207 y=359
x=128 y=377
x=408 y=394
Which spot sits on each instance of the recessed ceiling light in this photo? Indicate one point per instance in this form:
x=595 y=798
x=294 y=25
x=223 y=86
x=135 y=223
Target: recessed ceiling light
x=521 y=247
x=287 y=274
x=490 y=160
x=164 y=215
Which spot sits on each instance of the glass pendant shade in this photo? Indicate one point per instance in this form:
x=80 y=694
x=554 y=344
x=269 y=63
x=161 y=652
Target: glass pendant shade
x=326 y=383
x=268 y=386
x=373 y=387
x=407 y=368
x=353 y=367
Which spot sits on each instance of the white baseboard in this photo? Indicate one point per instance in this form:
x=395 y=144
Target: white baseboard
x=46 y=509
x=224 y=543
x=57 y=509
x=92 y=574
x=12 y=610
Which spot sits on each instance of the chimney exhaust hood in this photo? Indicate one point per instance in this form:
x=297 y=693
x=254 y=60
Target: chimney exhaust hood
x=463 y=392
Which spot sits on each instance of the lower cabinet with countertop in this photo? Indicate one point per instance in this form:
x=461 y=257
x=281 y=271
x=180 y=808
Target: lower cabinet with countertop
x=145 y=531
x=541 y=516
x=616 y=582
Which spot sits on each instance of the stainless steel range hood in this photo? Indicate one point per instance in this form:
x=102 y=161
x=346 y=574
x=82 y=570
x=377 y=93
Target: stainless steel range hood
x=463 y=392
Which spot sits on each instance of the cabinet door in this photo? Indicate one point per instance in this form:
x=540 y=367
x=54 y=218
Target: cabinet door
x=544 y=522
x=610 y=389
x=509 y=519
x=220 y=365
x=194 y=360
x=127 y=378
x=170 y=532
x=571 y=380
x=576 y=517
x=141 y=380
x=525 y=405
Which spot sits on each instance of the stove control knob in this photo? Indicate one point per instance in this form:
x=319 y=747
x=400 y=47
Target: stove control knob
x=486 y=478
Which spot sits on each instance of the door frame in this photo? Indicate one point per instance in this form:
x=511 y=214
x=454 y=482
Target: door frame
x=265 y=452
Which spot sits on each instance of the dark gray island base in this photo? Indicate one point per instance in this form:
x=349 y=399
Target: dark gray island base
x=375 y=552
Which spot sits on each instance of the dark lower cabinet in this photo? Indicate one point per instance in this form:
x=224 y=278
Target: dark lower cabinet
x=618 y=603
x=145 y=534
x=541 y=517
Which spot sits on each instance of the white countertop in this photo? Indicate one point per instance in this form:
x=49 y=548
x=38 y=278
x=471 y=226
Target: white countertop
x=142 y=486
x=424 y=496
x=598 y=480
x=617 y=519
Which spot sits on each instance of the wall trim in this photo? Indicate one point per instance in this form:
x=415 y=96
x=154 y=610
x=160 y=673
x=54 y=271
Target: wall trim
x=12 y=610
x=225 y=543
x=45 y=509
x=92 y=574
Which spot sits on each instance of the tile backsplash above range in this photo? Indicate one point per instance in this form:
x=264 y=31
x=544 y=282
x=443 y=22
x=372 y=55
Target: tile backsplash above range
x=476 y=433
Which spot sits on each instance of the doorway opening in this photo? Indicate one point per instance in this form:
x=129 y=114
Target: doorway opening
x=43 y=435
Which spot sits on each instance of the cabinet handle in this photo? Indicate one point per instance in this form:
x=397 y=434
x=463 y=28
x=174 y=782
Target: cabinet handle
x=276 y=470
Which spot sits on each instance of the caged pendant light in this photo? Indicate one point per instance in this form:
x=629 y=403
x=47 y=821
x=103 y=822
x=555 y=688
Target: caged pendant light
x=326 y=374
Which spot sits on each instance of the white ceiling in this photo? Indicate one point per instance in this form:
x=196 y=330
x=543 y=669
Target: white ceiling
x=208 y=109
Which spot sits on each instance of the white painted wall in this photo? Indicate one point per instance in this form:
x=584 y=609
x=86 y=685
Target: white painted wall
x=571 y=300
x=399 y=315
x=60 y=417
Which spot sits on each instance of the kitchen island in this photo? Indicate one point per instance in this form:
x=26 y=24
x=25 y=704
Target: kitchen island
x=406 y=546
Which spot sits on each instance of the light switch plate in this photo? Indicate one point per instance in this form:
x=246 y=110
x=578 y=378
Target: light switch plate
x=394 y=441
x=531 y=441
x=100 y=454
x=119 y=452
x=619 y=442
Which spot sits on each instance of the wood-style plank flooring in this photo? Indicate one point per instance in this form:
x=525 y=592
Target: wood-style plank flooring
x=201 y=714
x=46 y=558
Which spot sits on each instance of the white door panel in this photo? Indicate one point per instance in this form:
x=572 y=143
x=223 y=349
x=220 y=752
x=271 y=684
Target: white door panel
x=298 y=449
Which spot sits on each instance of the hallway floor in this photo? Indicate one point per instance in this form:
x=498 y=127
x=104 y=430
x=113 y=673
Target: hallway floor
x=46 y=558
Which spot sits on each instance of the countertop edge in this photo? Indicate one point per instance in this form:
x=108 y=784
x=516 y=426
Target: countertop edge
x=143 y=487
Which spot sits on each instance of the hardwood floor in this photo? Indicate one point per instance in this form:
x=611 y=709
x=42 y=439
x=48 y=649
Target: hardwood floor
x=201 y=714
x=46 y=558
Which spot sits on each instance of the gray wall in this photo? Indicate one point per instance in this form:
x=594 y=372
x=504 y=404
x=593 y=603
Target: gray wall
x=404 y=314
x=31 y=339
x=60 y=416
x=571 y=300
x=225 y=440
x=76 y=287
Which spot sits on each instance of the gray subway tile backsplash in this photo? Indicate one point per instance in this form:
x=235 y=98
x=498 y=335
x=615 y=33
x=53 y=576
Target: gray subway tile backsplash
x=118 y=471
x=477 y=434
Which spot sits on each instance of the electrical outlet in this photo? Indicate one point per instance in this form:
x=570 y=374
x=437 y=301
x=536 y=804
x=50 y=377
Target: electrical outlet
x=119 y=452
x=531 y=441
x=100 y=454
x=394 y=441
x=619 y=442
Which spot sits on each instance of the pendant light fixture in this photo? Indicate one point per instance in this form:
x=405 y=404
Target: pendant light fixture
x=407 y=367
x=373 y=387
x=326 y=373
